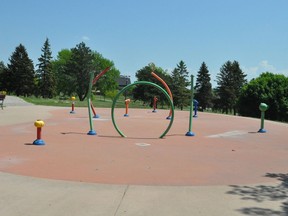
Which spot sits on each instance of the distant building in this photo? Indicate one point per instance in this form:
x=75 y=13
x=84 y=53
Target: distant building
x=123 y=81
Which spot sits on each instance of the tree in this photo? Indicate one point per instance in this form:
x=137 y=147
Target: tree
x=230 y=80
x=21 y=72
x=143 y=92
x=78 y=69
x=107 y=85
x=59 y=65
x=45 y=74
x=268 y=88
x=146 y=93
x=203 y=87
x=181 y=95
x=72 y=71
x=3 y=77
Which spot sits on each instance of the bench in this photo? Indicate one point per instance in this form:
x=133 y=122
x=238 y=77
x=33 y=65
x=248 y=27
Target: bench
x=2 y=97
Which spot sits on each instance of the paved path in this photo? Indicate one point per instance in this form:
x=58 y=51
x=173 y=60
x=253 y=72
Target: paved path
x=26 y=196
x=16 y=110
x=15 y=101
x=30 y=196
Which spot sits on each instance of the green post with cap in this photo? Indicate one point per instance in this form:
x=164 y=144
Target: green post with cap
x=262 y=107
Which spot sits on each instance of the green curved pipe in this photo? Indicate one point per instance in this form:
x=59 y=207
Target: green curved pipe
x=142 y=83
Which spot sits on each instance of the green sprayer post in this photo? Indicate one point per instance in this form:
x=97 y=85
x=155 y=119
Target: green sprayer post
x=262 y=107
x=190 y=133
x=91 y=131
x=262 y=119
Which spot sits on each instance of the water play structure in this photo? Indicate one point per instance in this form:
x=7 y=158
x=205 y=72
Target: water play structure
x=167 y=93
x=142 y=83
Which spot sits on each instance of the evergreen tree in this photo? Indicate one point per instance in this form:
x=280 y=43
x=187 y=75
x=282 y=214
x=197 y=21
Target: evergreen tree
x=21 y=73
x=179 y=85
x=3 y=77
x=230 y=80
x=46 y=78
x=203 y=87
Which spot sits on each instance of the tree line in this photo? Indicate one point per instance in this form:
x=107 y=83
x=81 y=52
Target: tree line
x=233 y=94
x=223 y=98
x=68 y=74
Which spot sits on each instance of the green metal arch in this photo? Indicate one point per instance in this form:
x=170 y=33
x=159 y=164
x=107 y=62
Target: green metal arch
x=142 y=83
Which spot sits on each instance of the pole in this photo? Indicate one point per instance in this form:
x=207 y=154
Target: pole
x=262 y=130
x=126 y=82
x=167 y=89
x=127 y=101
x=190 y=133
x=262 y=119
x=91 y=131
x=94 y=112
x=155 y=99
x=263 y=107
x=195 y=108
x=99 y=75
x=39 y=133
x=73 y=105
x=39 y=124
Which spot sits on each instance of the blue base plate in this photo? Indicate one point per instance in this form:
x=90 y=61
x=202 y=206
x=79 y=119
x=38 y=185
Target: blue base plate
x=91 y=132
x=189 y=133
x=39 y=142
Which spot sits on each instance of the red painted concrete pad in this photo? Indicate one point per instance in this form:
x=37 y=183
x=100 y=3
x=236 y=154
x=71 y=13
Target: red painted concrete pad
x=225 y=149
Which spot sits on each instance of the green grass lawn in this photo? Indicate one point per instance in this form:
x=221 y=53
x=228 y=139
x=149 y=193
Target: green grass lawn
x=98 y=101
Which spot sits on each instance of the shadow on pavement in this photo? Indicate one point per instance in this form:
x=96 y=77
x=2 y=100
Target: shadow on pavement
x=262 y=193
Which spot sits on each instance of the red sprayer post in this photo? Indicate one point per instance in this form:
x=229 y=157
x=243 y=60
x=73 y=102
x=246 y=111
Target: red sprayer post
x=73 y=105
x=39 y=124
x=127 y=101
x=155 y=99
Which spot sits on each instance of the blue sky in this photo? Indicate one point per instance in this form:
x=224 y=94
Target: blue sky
x=134 y=33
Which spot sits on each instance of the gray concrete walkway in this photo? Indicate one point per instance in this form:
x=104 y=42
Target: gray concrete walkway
x=28 y=196
x=16 y=110
x=15 y=101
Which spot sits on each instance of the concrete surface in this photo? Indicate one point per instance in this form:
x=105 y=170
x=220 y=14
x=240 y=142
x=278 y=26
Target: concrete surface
x=15 y=101
x=28 y=196
x=16 y=110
